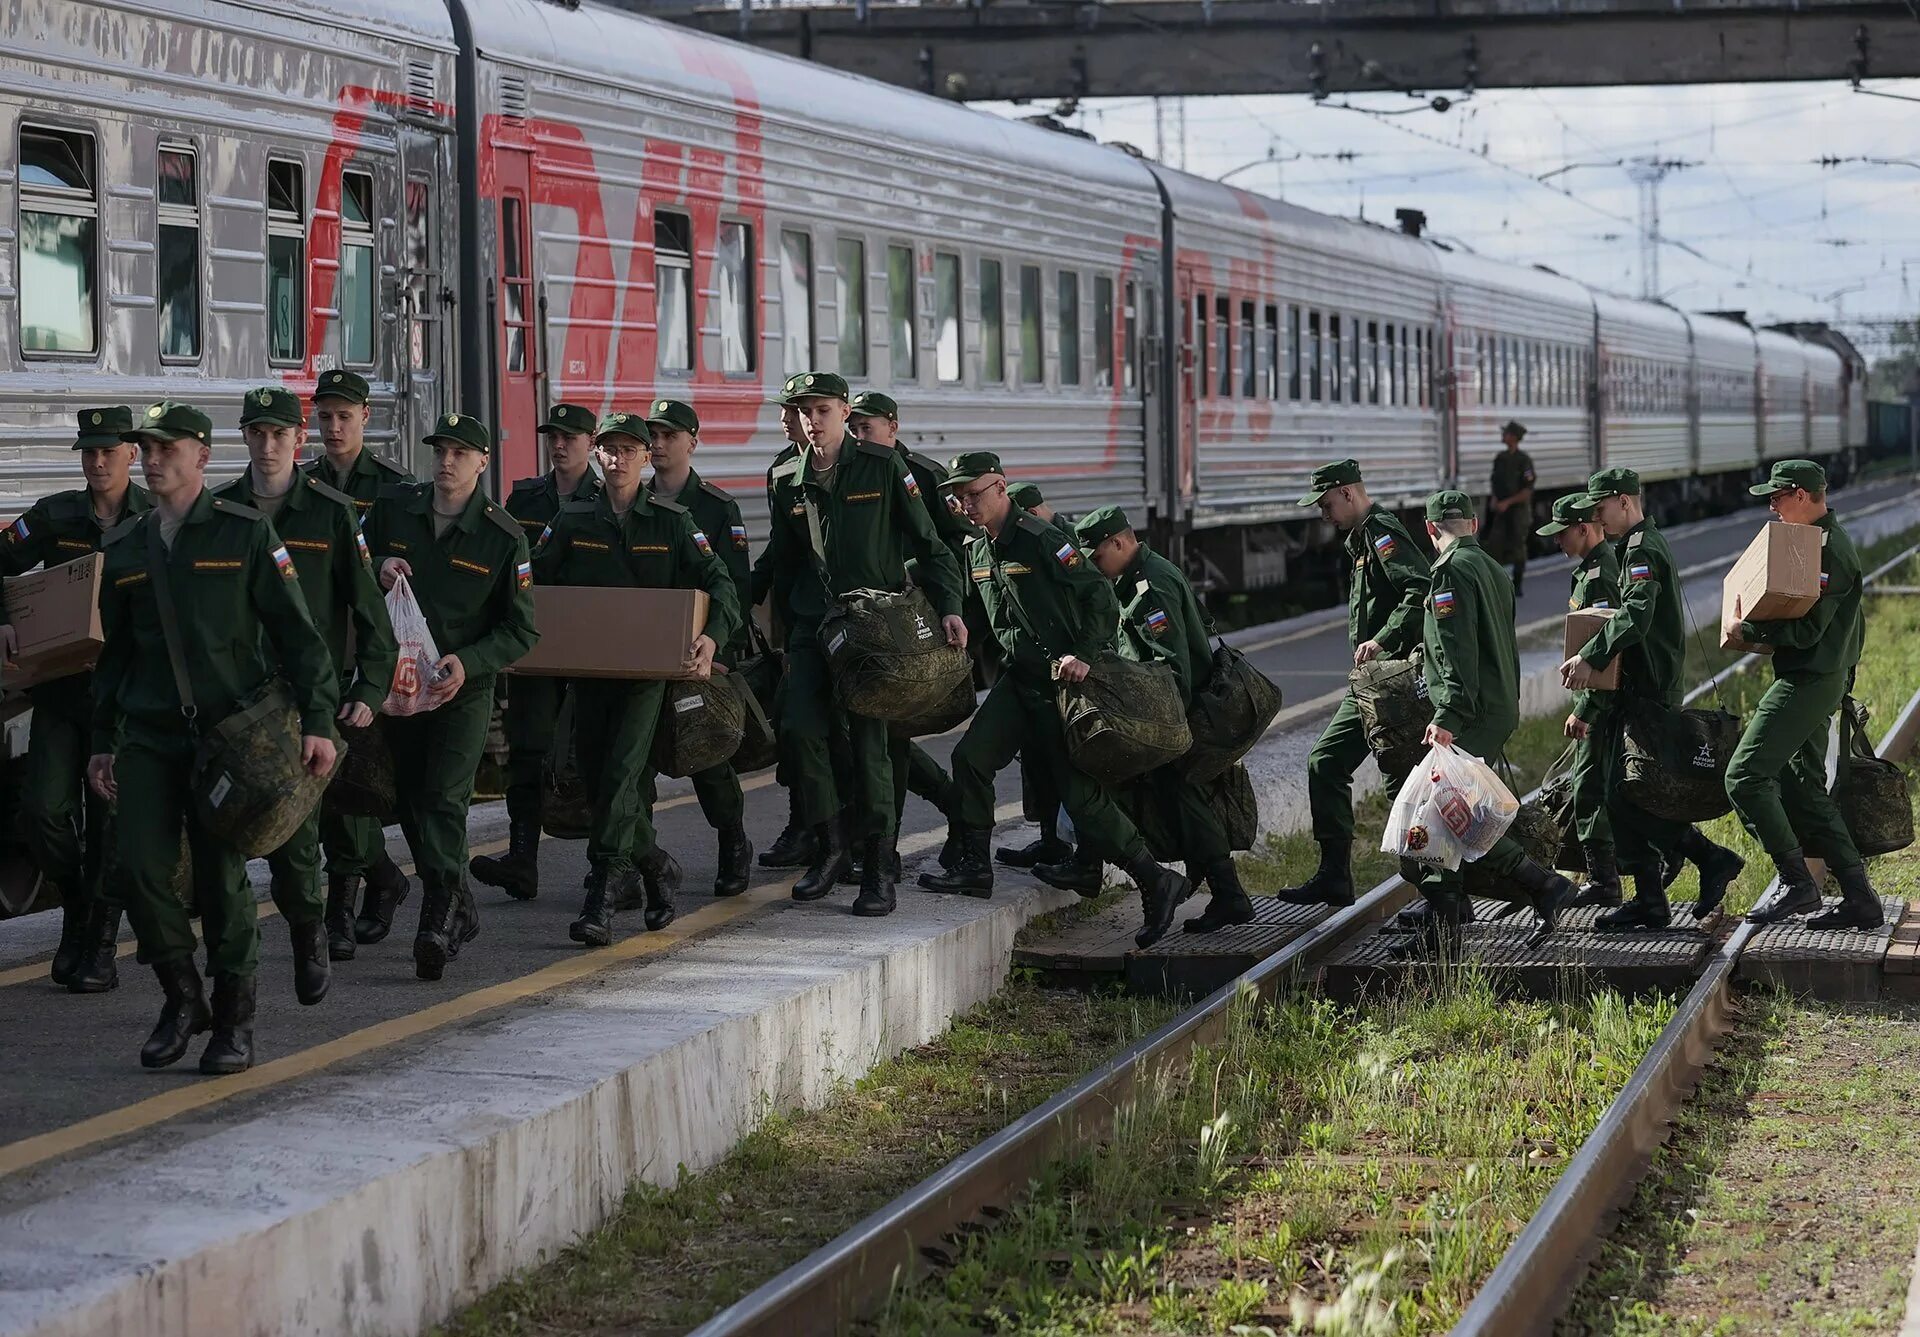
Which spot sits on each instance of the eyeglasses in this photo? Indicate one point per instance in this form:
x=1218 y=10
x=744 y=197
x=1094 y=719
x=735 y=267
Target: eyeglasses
x=631 y=450
x=973 y=498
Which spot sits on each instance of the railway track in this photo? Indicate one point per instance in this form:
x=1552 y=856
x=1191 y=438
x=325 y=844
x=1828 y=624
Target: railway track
x=851 y=1275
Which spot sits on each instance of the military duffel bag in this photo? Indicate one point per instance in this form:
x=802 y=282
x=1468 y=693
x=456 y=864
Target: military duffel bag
x=1537 y=828
x=1871 y=792
x=1556 y=795
x=1238 y=806
x=1124 y=719
x=701 y=724
x=1228 y=715
x=759 y=674
x=565 y=810
x=1391 y=696
x=363 y=782
x=956 y=710
x=1154 y=813
x=1673 y=763
x=889 y=655
x=249 y=786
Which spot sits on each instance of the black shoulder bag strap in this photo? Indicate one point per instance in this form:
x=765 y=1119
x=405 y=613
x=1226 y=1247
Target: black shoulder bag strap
x=170 y=622
x=816 y=541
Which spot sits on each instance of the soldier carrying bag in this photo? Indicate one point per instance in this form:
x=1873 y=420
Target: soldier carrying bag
x=1673 y=763
x=1395 y=710
x=249 y=788
x=363 y=781
x=1124 y=719
x=1229 y=715
x=759 y=676
x=1870 y=792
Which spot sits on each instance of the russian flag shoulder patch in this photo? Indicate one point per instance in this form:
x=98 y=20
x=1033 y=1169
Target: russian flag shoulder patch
x=284 y=561
x=1385 y=546
x=1067 y=555
x=523 y=575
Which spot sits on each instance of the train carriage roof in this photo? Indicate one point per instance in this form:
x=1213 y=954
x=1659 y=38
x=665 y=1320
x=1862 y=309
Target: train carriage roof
x=1197 y=197
x=425 y=22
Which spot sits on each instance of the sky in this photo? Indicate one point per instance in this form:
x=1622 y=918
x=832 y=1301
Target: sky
x=1753 y=222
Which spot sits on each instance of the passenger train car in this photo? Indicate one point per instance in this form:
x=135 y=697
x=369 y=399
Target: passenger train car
x=493 y=206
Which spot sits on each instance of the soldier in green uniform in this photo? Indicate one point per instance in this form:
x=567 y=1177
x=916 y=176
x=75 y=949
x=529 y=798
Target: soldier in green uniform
x=356 y=847
x=533 y=702
x=1473 y=679
x=1383 y=618
x=64 y=823
x=1160 y=618
x=321 y=531
x=240 y=614
x=794 y=847
x=846 y=515
x=1511 y=507
x=1053 y=614
x=1039 y=796
x=675 y=430
x=628 y=537
x=466 y=560
x=1778 y=777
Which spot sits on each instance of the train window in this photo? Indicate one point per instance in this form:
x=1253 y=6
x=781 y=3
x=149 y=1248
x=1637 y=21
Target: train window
x=420 y=337
x=356 y=269
x=516 y=288
x=1201 y=348
x=1150 y=344
x=1270 y=353
x=946 y=340
x=673 y=288
x=1407 y=396
x=733 y=277
x=59 y=241
x=1337 y=374
x=1293 y=353
x=850 y=295
x=901 y=326
x=1423 y=365
x=1316 y=355
x=993 y=325
x=1373 y=362
x=1103 y=332
x=1250 y=374
x=1130 y=337
x=1067 y=285
x=286 y=261
x=177 y=256
x=1223 y=345
x=1033 y=354
x=796 y=301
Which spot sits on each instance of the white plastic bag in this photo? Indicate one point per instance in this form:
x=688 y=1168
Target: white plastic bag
x=1410 y=833
x=413 y=672
x=1452 y=809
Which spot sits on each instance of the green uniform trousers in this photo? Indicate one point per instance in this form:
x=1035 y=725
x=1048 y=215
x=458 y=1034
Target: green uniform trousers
x=353 y=844
x=295 y=874
x=533 y=708
x=1594 y=760
x=57 y=801
x=1330 y=767
x=1640 y=840
x=614 y=722
x=1200 y=837
x=1015 y=716
x=915 y=772
x=153 y=769
x=435 y=756
x=809 y=721
x=1778 y=776
x=1039 y=795
x=722 y=802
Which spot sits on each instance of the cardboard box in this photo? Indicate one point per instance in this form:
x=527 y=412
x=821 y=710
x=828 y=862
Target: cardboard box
x=591 y=631
x=1776 y=579
x=1583 y=626
x=56 y=620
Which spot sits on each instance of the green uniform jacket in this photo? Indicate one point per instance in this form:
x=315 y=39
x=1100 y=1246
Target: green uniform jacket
x=321 y=529
x=943 y=508
x=1473 y=662
x=1829 y=637
x=231 y=581
x=1158 y=610
x=535 y=501
x=1650 y=633
x=1596 y=584
x=655 y=546
x=872 y=519
x=475 y=585
x=1389 y=584
x=717 y=515
x=767 y=577
x=1512 y=472
x=1034 y=577
x=364 y=480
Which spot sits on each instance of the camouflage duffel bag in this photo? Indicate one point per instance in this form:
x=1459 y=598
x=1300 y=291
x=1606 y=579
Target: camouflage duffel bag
x=1230 y=796
x=1673 y=763
x=956 y=710
x=889 y=656
x=565 y=810
x=1537 y=829
x=1124 y=719
x=363 y=783
x=249 y=788
x=701 y=725
x=759 y=674
x=1871 y=792
x=1391 y=696
x=1228 y=715
x=1556 y=795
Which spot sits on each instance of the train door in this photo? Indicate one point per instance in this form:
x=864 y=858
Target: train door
x=425 y=375
x=1141 y=348
x=514 y=318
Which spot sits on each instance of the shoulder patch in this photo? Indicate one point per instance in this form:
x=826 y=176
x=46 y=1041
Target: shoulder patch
x=330 y=492
x=498 y=514
x=670 y=507
x=235 y=508
x=712 y=491
x=1636 y=539
x=876 y=450
x=1033 y=524
x=934 y=467
x=380 y=462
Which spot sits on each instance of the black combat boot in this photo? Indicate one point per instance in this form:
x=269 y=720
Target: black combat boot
x=517 y=872
x=971 y=872
x=1332 y=881
x=1602 y=886
x=876 y=898
x=1859 y=904
x=1230 y=904
x=433 y=941
x=795 y=847
x=73 y=940
x=660 y=874
x=594 y=927
x=99 y=969
x=341 y=890
x=1798 y=893
x=1049 y=848
x=1718 y=866
x=230 y=1049
x=466 y=916
x=312 y=963
x=386 y=888
x=1438 y=935
x=1548 y=893
x=184 y=1016
x=1082 y=872
x=831 y=860
x=1648 y=909
x=736 y=862
x=1161 y=891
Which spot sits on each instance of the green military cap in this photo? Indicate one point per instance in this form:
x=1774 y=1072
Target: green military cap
x=873 y=404
x=972 y=464
x=1513 y=427
x=814 y=385
x=1328 y=477
x=1100 y=524
x=461 y=430
x=1451 y=504
x=103 y=427
x=1789 y=474
x=568 y=418
x=271 y=406
x=673 y=415
x=1025 y=495
x=1617 y=482
x=169 y=420
x=346 y=385
x=624 y=424
x=1576 y=508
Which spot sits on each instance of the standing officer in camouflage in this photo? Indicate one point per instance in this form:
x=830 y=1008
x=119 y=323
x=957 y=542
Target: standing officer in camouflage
x=466 y=560
x=64 y=822
x=847 y=515
x=1053 y=614
x=1473 y=679
x=1512 y=503
x=626 y=537
x=533 y=703
x=1383 y=618
x=321 y=531
x=239 y=615
x=1778 y=777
